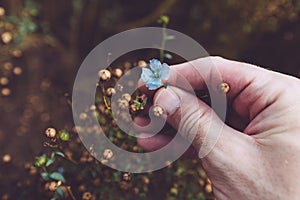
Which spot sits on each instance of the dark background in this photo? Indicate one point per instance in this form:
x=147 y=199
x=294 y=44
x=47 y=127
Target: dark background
x=55 y=36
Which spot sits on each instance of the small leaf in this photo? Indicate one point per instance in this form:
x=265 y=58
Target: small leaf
x=50 y=162
x=60 y=153
x=169 y=56
x=57 y=176
x=45 y=176
x=144 y=102
x=52 y=155
x=60 y=192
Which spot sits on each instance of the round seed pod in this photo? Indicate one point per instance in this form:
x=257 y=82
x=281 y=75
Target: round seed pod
x=17 y=70
x=127 y=176
x=107 y=154
x=104 y=75
x=123 y=103
x=126 y=96
x=5 y=91
x=50 y=133
x=6 y=158
x=223 y=87
x=110 y=91
x=2 y=11
x=142 y=63
x=6 y=37
x=118 y=72
x=157 y=111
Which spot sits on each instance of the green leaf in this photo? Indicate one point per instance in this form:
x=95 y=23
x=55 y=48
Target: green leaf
x=59 y=191
x=57 y=176
x=144 y=102
x=45 y=176
x=169 y=56
x=52 y=155
x=60 y=153
x=50 y=162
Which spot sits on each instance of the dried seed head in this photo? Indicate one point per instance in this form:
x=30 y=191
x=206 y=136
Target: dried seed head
x=5 y=91
x=17 y=53
x=2 y=12
x=104 y=75
x=6 y=158
x=127 y=176
x=53 y=186
x=50 y=133
x=87 y=196
x=119 y=87
x=123 y=104
x=3 y=81
x=157 y=111
x=83 y=116
x=145 y=180
x=110 y=91
x=127 y=65
x=142 y=63
x=208 y=188
x=126 y=96
x=223 y=87
x=107 y=154
x=17 y=70
x=118 y=72
x=6 y=37
x=8 y=66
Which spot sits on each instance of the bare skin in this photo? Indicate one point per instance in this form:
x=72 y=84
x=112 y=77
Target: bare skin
x=258 y=153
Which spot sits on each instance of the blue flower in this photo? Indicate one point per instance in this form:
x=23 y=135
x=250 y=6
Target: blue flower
x=153 y=77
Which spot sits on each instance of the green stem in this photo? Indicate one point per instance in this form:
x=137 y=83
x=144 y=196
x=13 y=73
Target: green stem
x=104 y=97
x=44 y=169
x=163 y=42
x=71 y=193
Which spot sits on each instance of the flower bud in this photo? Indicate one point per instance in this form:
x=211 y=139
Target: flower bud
x=40 y=161
x=64 y=136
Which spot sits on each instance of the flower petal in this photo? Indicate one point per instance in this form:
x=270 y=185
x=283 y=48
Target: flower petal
x=147 y=75
x=165 y=71
x=155 y=65
x=154 y=84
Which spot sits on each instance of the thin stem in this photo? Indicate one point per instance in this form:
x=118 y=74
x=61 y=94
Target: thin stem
x=70 y=193
x=104 y=97
x=44 y=169
x=163 y=42
x=106 y=103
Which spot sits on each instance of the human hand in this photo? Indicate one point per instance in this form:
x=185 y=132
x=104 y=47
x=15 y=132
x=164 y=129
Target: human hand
x=257 y=155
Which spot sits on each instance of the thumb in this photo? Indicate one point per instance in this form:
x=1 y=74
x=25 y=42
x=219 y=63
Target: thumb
x=196 y=121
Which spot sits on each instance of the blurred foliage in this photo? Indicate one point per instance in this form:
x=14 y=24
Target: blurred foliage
x=72 y=28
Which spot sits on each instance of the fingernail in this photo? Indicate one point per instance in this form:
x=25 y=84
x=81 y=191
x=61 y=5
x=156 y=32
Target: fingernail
x=168 y=100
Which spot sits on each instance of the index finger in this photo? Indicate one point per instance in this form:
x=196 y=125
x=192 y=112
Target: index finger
x=212 y=71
